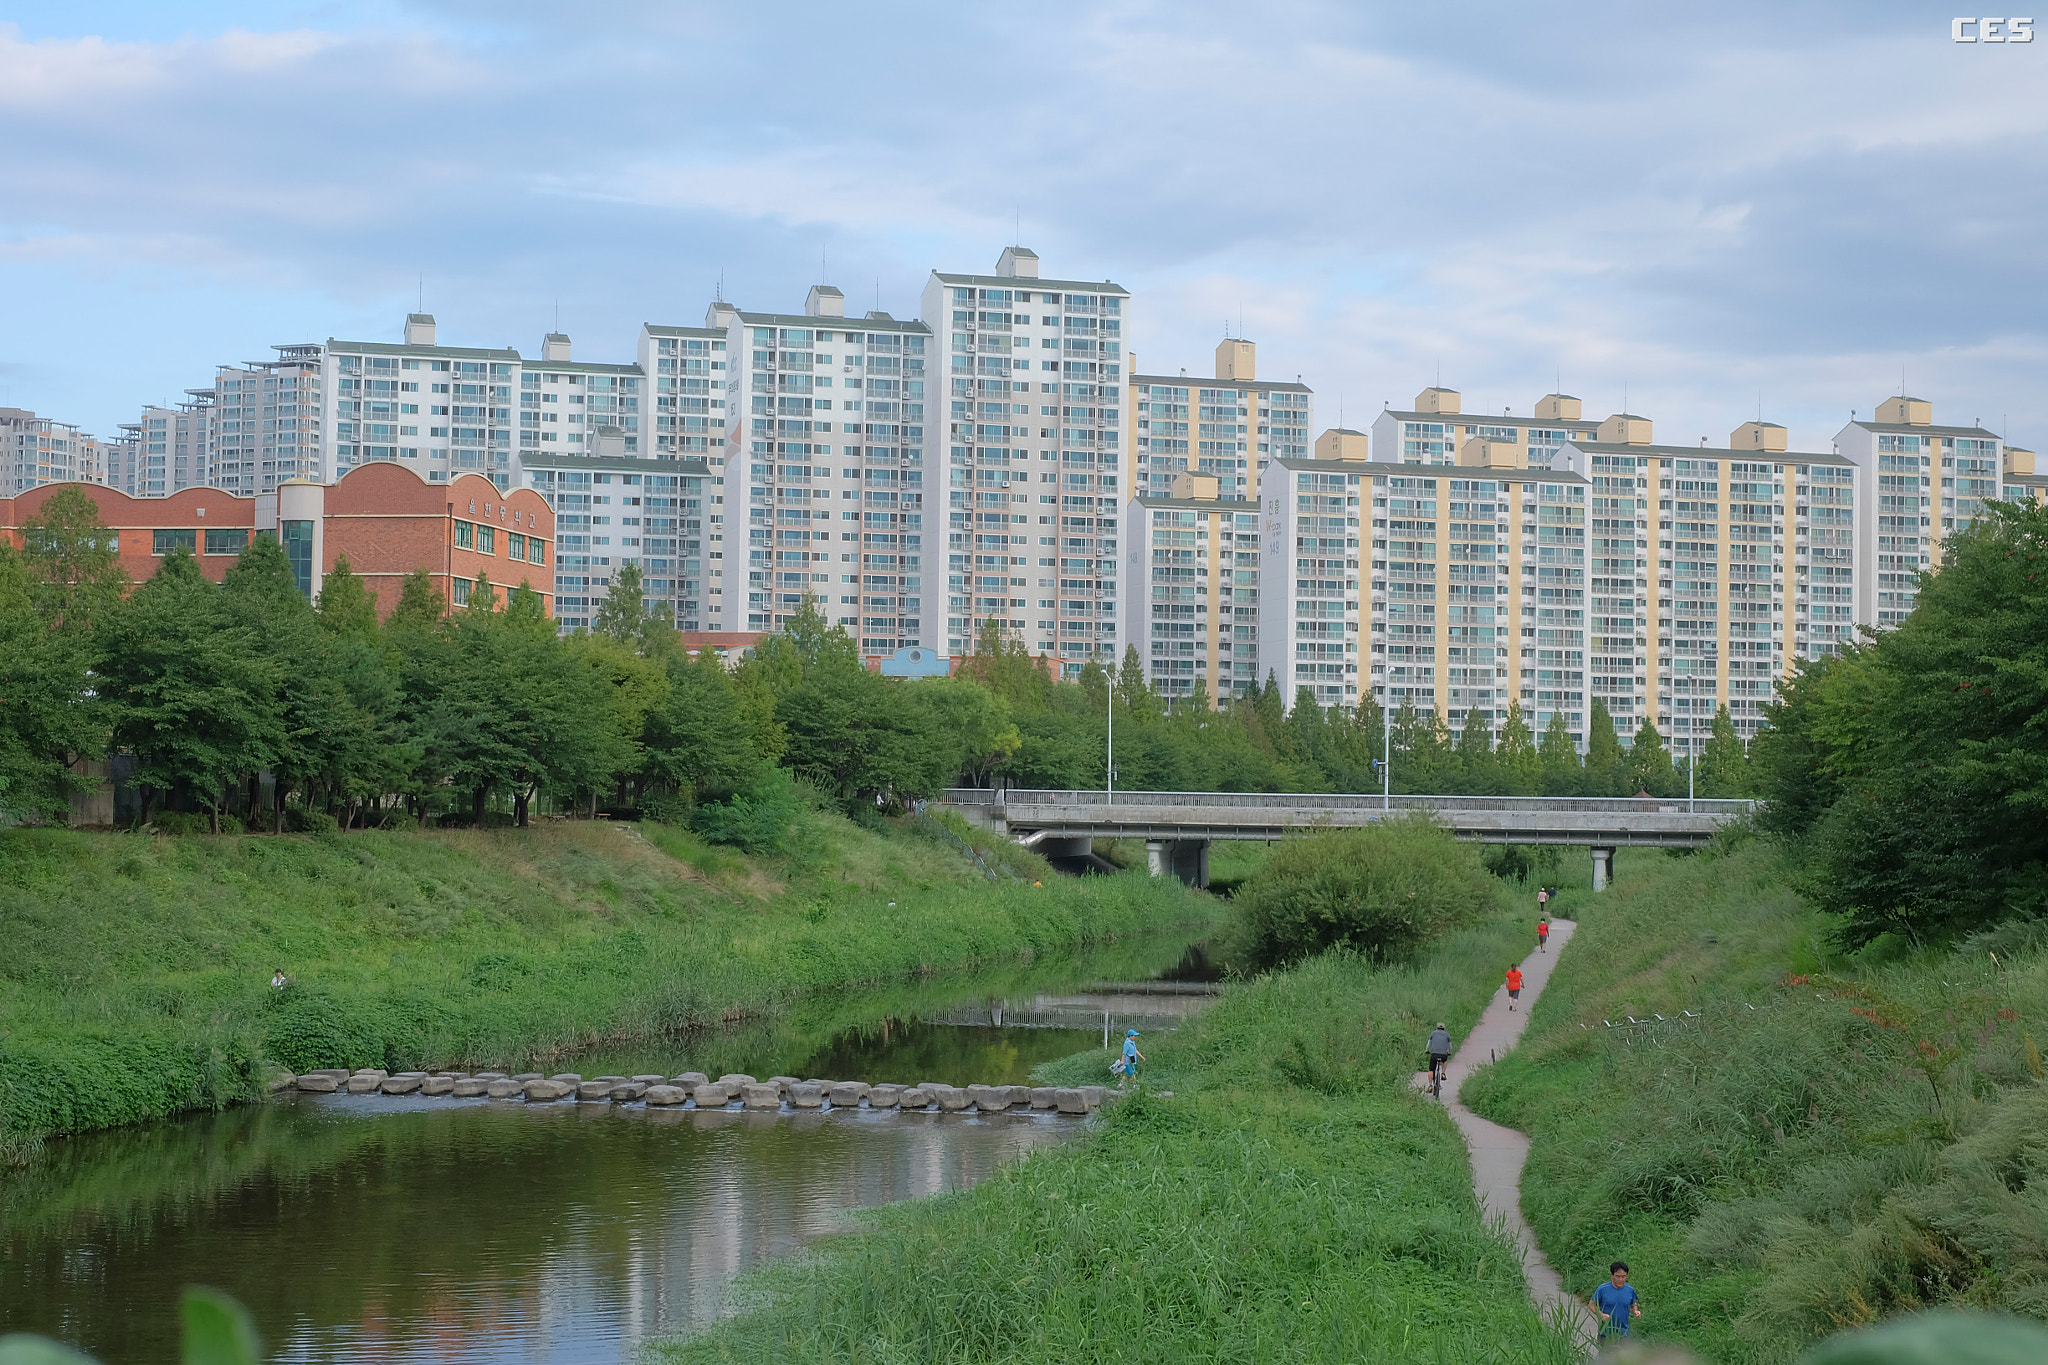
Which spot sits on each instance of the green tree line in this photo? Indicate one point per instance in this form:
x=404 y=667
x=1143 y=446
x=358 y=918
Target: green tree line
x=480 y=713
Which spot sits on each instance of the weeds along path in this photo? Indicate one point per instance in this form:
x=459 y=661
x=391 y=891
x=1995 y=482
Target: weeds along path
x=1498 y=1154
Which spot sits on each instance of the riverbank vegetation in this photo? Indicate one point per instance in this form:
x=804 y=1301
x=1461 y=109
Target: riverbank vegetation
x=1810 y=1139
x=1291 y=1199
x=138 y=978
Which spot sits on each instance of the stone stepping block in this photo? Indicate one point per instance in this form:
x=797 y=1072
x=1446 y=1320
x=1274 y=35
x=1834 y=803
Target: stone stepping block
x=666 y=1094
x=339 y=1073
x=783 y=1083
x=469 y=1087
x=761 y=1096
x=1070 y=1100
x=529 y=1076
x=1044 y=1097
x=690 y=1080
x=650 y=1080
x=363 y=1085
x=504 y=1089
x=595 y=1090
x=401 y=1085
x=628 y=1092
x=885 y=1096
x=437 y=1085
x=737 y=1079
x=848 y=1094
x=804 y=1095
x=1093 y=1095
x=284 y=1080
x=377 y=1071
x=319 y=1083
x=712 y=1096
x=989 y=1099
x=549 y=1090
x=569 y=1077
x=952 y=1099
x=915 y=1097
x=490 y=1075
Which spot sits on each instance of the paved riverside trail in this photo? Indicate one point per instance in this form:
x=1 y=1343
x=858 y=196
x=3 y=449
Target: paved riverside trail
x=1498 y=1153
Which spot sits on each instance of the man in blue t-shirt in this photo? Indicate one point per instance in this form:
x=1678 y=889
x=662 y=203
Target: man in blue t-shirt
x=1131 y=1057
x=1615 y=1303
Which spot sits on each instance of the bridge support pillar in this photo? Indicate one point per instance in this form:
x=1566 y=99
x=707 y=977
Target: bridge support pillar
x=1187 y=859
x=1603 y=868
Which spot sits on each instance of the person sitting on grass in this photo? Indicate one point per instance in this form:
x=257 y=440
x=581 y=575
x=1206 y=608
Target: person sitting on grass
x=1615 y=1303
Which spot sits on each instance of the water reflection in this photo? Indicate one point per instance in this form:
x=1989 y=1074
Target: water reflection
x=438 y=1230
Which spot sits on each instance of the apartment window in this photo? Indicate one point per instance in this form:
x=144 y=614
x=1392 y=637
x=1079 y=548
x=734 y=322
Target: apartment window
x=172 y=541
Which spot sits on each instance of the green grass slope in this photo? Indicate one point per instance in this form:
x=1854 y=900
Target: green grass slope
x=1834 y=1141
x=1292 y=1200
x=135 y=981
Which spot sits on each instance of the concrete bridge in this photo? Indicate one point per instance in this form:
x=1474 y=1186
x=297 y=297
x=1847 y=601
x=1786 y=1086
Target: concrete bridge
x=1177 y=827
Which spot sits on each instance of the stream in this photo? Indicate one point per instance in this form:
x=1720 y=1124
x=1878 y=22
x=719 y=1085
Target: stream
x=361 y=1228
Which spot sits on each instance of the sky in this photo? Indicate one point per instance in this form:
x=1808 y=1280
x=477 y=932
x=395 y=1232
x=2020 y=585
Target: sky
x=1704 y=212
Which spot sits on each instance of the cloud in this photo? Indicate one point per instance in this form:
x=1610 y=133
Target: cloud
x=1686 y=204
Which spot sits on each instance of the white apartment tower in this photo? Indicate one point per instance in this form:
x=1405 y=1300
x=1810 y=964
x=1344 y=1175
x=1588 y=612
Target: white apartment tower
x=38 y=450
x=174 y=449
x=825 y=450
x=1226 y=428
x=1033 y=428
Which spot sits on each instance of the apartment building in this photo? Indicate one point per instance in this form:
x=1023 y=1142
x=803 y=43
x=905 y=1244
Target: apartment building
x=1225 y=428
x=825 y=448
x=1436 y=431
x=1034 y=425
x=1919 y=483
x=41 y=450
x=174 y=449
x=611 y=511
x=1747 y=579
x=1191 y=589
x=686 y=368
x=1310 y=600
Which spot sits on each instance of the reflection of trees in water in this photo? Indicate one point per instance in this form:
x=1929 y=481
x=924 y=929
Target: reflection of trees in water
x=458 y=1231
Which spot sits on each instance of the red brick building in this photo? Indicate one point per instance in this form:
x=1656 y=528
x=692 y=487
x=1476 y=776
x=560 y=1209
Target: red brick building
x=384 y=517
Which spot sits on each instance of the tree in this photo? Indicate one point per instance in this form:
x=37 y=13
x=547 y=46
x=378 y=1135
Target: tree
x=1723 y=766
x=621 y=615
x=196 y=692
x=977 y=724
x=1603 y=773
x=1477 y=771
x=346 y=606
x=693 y=742
x=51 y=714
x=421 y=606
x=73 y=561
x=860 y=736
x=1135 y=697
x=1521 y=767
x=1562 y=773
x=1647 y=765
x=1424 y=762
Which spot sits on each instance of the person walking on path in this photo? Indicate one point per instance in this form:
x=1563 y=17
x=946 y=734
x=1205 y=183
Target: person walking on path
x=1514 y=986
x=1543 y=933
x=1131 y=1057
x=1615 y=1304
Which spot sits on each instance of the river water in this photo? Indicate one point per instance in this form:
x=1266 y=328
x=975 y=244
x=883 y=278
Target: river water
x=361 y=1228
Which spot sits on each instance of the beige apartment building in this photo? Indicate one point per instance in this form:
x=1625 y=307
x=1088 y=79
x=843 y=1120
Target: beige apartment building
x=1226 y=428
x=1191 y=589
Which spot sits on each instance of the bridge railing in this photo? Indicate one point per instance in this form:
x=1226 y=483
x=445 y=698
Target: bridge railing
x=1308 y=801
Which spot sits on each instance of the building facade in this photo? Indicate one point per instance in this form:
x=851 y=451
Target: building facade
x=1436 y=431
x=1191 y=589
x=385 y=519
x=1034 y=427
x=613 y=511
x=685 y=367
x=825 y=450
x=1225 y=428
x=35 y=451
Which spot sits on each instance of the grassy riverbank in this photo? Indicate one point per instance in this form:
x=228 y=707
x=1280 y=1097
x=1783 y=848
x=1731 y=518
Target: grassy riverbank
x=136 y=981
x=1837 y=1139
x=1293 y=1200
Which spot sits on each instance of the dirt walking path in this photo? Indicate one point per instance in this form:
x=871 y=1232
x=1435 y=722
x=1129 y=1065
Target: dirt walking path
x=1498 y=1153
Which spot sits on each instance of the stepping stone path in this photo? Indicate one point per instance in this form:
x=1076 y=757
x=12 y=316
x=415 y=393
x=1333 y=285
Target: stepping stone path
x=1498 y=1154
x=694 y=1089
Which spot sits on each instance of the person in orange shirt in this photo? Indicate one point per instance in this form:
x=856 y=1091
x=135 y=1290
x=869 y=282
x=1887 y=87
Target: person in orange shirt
x=1514 y=986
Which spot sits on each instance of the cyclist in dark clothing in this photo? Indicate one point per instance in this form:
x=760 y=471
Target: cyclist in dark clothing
x=1439 y=1052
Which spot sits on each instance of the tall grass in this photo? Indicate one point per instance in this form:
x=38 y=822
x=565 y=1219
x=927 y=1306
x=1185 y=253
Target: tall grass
x=137 y=978
x=1835 y=1139
x=1292 y=1200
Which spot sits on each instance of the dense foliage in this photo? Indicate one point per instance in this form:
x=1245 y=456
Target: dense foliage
x=1381 y=891
x=1914 y=768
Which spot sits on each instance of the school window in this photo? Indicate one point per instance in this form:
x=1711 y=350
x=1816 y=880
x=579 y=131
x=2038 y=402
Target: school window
x=465 y=536
x=536 y=551
x=486 y=540
x=515 y=545
x=460 y=592
x=170 y=542
x=227 y=542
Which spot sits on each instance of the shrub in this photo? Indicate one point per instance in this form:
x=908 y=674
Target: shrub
x=1383 y=891
x=758 y=819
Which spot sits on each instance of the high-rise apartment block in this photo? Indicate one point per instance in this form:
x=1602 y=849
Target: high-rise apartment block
x=1033 y=430
x=1191 y=588
x=1226 y=428
x=825 y=451
x=611 y=511
x=38 y=450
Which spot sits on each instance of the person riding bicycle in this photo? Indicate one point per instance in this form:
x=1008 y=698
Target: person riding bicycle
x=1439 y=1049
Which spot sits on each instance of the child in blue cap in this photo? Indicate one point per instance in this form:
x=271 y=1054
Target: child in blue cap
x=1131 y=1056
